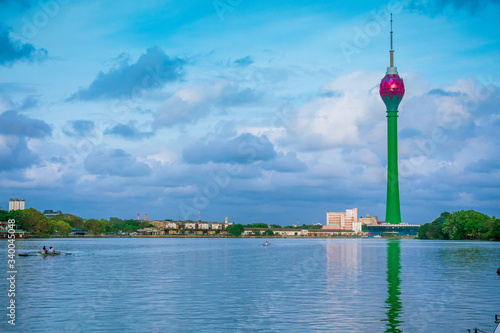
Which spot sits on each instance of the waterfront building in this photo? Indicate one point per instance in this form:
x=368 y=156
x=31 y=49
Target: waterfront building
x=292 y=232
x=16 y=204
x=4 y=230
x=392 y=90
x=178 y=227
x=151 y=231
x=51 y=213
x=347 y=220
x=329 y=233
x=77 y=232
x=401 y=229
x=284 y=232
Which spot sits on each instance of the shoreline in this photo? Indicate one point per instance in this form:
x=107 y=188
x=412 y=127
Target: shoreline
x=216 y=237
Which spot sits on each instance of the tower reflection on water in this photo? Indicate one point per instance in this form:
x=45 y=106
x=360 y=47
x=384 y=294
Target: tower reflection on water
x=394 y=305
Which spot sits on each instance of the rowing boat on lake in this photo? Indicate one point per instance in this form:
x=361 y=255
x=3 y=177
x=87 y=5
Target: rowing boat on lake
x=33 y=254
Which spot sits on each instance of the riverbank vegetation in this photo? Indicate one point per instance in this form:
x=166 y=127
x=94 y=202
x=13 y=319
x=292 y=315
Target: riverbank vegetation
x=34 y=222
x=461 y=225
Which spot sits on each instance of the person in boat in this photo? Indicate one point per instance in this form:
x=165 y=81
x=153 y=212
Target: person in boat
x=44 y=250
x=51 y=250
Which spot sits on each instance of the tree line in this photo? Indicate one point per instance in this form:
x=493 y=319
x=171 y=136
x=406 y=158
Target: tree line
x=33 y=221
x=461 y=225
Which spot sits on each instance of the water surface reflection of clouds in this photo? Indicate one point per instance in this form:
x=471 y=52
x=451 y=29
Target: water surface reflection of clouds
x=236 y=285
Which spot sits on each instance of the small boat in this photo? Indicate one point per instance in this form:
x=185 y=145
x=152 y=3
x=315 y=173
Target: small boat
x=497 y=329
x=32 y=254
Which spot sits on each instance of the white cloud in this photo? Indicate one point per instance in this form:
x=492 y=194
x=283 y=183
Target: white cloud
x=189 y=105
x=329 y=122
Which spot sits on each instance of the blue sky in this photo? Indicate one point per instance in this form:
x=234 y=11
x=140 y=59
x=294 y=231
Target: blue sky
x=256 y=110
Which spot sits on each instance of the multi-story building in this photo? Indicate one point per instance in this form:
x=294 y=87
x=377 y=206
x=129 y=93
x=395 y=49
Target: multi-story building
x=347 y=220
x=16 y=204
x=177 y=227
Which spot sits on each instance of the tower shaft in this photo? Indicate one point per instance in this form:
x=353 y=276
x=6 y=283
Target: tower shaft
x=393 y=210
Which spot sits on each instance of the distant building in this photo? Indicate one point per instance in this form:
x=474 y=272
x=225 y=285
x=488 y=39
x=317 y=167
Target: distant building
x=286 y=232
x=77 y=232
x=401 y=229
x=150 y=231
x=347 y=220
x=178 y=227
x=51 y=213
x=16 y=204
x=146 y=218
x=369 y=220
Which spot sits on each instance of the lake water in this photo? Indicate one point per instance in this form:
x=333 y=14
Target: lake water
x=236 y=285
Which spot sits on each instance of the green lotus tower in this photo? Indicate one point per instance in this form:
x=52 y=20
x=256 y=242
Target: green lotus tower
x=392 y=90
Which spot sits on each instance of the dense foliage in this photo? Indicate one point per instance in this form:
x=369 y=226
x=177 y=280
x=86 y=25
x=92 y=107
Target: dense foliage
x=304 y=226
x=460 y=225
x=269 y=232
x=257 y=225
x=35 y=222
x=256 y=232
x=235 y=229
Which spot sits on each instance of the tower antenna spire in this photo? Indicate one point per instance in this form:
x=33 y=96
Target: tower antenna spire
x=392 y=50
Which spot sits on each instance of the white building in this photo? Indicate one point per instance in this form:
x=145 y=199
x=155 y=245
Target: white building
x=16 y=204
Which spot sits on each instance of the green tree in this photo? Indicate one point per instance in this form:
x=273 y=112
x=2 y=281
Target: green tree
x=268 y=232
x=45 y=228
x=146 y=224
x=63 y=228
x=94 y=226
x=442 y=218
x=109 y=227
x=422 y=231
x=495 y=234
x=73 y=220
x=256 y=232
x=464 y=224
x=257 y=225
x=276 y=226
x=314 y=226
x=236 y=229
x=128 y=228
x=4 y=215
x=434 y=230
x=115 y=220
x=32 y=220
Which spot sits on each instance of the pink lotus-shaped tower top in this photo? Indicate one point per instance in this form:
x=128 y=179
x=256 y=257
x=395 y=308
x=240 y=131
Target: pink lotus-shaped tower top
x=392 y=85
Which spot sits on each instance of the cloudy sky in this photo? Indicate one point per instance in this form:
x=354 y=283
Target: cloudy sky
x=263 y=111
